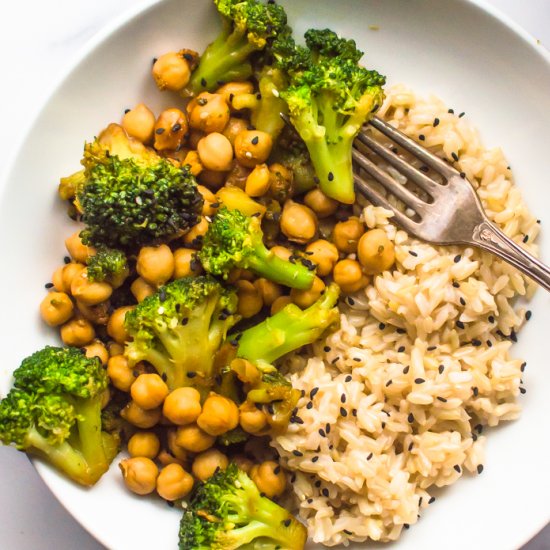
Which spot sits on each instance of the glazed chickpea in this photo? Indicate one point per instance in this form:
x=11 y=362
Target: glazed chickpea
x=208 y=113
x=56 y=308
x=281 y=252
x=170 y=130
x=115 y=348
x=192 y=438
x=97 y=315
x=234 y=127
x=171 y=71
x=174 y=482
x=212 y=179
x=64 y=276
x=208 y=463
x=197 y=231
x=269 y=478
x=78 y=251
x=252 y=147
x=376 y=251
x=165 y=457
x=140 y=288
x=115 y=326
x=119 y=371
x=322 y=205
x=77 y=332
x=251 y=419
x=243 y=463
x=250 y=300
x=145 y=444
x=349 y=276
x=324 y=255
x=346 y=234
x=140 y=474
x=88 y=292
x=139 y=417
x=179 y=453
x=139 y=123
x=280 y=303
x=185 y=263
x=57 y=280
x=257 y=182
x=219 y=415
x=182 y=406
x=209 y=199
x=155 y=264
x=193 y=162
x=298 y=222
x=269 y=291
x=97 y=349
x=232 y=89
x=215 y=152
x=305 y=298
x=149 y=391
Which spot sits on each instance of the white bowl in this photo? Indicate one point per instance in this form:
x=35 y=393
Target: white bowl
x=466 y=54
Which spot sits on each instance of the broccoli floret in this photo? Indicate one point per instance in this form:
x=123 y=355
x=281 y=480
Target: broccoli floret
x=129 y=196
x=54 y=412
x=180 y=328
x=329 y=98
x=108 y=264
x=228 y=512
x=248 y=26
x=289 y=329
x=235 y=240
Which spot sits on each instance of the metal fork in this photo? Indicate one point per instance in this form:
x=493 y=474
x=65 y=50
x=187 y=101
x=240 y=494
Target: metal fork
x=444 y=213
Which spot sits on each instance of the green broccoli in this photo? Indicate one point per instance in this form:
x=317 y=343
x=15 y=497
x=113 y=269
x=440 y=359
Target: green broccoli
x=248 y=26
x=180 y=328
x=108 y=264
x=54 y=412
x=228 y=512
x=235 y=240
x=128 y=196
x=329 y=98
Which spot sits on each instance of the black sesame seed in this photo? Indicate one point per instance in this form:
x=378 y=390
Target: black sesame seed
x=309 y=405
x=476 y=343
x=406 y=525
x=49 y=285
x=475 y=391
x=295 y=452
x=322 y=432
x=513 y=336
x=343 y=398
x=528 y=314
x=523 y=391
x=330 y=176
x=383 y=425
x=335 y=360
x=287 y=522
x=191 y=374
x=155 y=60
x=184 y=321
x=317 y=484
x=67 y=260
x=313 y=393
x=474 y=437
x=327 y=428
x=348 y=532
x=401 y=349
x=451 y=111
x=203 y=82
x=457 y=468
x=479 y=468
x=357 y=359
x=369 y=456
x=419 y=380
x=463 y=175
x=413 y=253
x=525 y=238
x=343 y=412
x=489 y=343
x=255 y=140
x=456 y=284
x=411 y=445
x=461 y=115
x=351 y=301
x=348 y=378
x=457 y=258
x=326 y=349
x=422 y=137
x=522 y=367
x=442 y=399
x=315 y=458
x=389 y=383
x=406 y=369
x=431 y=348
x=309 y=501
x=462 y=301
x=436 y=122
x=170 y=503
x=410 y=418
x=432 y=500
x=460 y=324
x=401 y=331
x=381 y=326
x=424 y=169
x=478 y=428
x=441 y=368
x=354 y=412
x=395 y=150
x=491 y=319
x=126 y=111
x=455 y=156
x=159 y=131
x=187 y=57
x=164 y=376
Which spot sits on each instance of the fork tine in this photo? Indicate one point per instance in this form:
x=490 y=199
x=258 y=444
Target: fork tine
x=423 y=181
x=388 y=182
x=414 y=148
x=378 y=200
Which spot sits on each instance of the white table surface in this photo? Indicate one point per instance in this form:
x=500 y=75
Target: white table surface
x=38 y=39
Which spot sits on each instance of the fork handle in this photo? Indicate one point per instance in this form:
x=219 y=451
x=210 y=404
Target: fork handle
x=490 y=238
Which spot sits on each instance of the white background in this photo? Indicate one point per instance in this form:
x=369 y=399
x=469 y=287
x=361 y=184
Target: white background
x=38 y=39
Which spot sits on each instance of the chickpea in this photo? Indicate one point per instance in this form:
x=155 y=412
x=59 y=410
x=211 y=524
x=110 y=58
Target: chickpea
x=181 y=454
x=208 y=463
x=208 y=112
x=305 y=298
x=257 y=182
x=349 y=276
x=192 y=160
x=232 y=89
x=324 y=254
x=194 y=137
x=193 y=439
x=57 y=280
x=78 y=251
x=97 y=349
x=209 y=199
x=88 y=292
x=56 y=308
x=269 y=478
x=170 y=130
x=268 y=290
x=252 y=147
x=171 y=71
x=139 y=123
x=155 y=264
x=234 y=127
x=140 y=474
x=243 y=463
x=298 y=222
x=174 y=482
x=215 y=152
x=140 y=288
x=219 y=415
x=165 y=458
x=185 y=263
x=121 y=374
x=282 y=252
x=250 y=300
x=346 y=234
x=280 y=303
x=115 y=348
x=139 y=417
x=212 y=179
x=251 y=419
x=149 y=391
x=116 y=328
x=322 y=205
x=64 y=276
x=145 y=444
x=376 y=252
x=246 y=372
x=196 y=232
x=77 y=332
x=182 y=406
x=97 y=315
